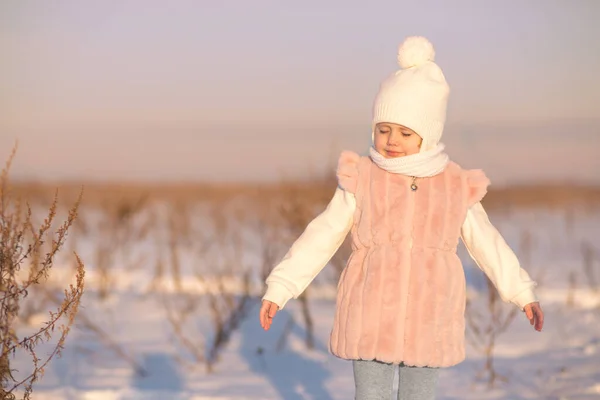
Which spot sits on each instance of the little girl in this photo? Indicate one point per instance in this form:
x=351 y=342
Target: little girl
x=401 y=297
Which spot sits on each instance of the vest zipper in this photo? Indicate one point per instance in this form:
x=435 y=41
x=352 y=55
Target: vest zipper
x=412 y=213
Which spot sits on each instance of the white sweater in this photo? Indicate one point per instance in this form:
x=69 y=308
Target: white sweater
x=323 y=236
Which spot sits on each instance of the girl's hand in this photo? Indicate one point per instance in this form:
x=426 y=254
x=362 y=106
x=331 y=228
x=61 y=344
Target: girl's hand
x=535 y=315
x=268 y=309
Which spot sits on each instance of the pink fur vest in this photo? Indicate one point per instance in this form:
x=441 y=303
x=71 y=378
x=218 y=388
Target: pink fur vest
x=401 y=297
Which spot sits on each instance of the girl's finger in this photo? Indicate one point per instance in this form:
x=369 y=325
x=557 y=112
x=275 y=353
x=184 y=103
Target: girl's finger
x=272 y=310
x=263 y=315
x=529 y=314
x=270 y=314
x=539 y=323
x=260 y=319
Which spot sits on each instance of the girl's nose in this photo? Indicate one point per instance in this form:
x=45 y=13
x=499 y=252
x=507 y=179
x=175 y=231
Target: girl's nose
x=393 y=138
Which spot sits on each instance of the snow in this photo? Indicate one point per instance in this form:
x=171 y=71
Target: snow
x=561 y=362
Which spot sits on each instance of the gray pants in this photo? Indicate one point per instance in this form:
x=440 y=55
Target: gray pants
x=374 y=380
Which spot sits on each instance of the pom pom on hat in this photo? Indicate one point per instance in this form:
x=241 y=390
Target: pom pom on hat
x=415 y=51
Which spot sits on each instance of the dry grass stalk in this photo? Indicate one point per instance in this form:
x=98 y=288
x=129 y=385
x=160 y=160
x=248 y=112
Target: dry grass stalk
x=589 y=254
x=268 y=227
x=178 y=316
x=178 y=229
x=181 y=237
x=118 y=230
x=86 y=323
x=484 y=329
x=309 y=340
x=227 y=312
x=526 y=247
x=20 y=246
x=227 y=309
x=297 y=205
x=221 y=248
x=570 y=301
x=297 y=211
x=184 y=305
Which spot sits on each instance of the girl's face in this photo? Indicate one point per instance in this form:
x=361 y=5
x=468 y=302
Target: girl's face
x=393 y=140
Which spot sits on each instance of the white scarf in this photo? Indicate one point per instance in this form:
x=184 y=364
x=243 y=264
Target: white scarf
x=420 y=165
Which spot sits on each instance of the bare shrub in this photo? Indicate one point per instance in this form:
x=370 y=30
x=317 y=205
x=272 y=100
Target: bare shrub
x=222 y=286
x=485 y=324
x=23 y=269
x=117 y=230
x=590 y=257
x=570 y=300
x=297 y=210
x=87 y=324
x=297 y=206
x=269 y=228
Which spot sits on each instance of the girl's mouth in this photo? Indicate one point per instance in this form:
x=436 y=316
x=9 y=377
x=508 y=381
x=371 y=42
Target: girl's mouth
x=393 y=153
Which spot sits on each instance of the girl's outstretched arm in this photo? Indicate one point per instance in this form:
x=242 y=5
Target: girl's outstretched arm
x=495 y=258
x=312 y=250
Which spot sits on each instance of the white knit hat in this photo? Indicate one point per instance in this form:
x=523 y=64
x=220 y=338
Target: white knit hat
x=416 y=95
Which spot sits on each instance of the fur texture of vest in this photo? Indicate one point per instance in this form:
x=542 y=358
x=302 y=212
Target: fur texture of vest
x=401 y=296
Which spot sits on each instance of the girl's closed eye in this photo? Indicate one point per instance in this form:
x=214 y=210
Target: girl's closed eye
x=406 y=134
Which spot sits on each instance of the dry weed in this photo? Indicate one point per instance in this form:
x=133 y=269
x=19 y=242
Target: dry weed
x=220 y=248
x=485 y=324
x=20 y=251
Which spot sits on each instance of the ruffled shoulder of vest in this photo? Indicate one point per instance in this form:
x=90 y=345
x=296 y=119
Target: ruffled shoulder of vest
x=347 y=171
x=477 y=183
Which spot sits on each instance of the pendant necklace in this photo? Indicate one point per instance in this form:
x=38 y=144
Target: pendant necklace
x=414 y=186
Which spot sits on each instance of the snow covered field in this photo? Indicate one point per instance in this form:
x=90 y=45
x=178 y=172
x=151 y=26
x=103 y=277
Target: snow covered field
x=145 y=328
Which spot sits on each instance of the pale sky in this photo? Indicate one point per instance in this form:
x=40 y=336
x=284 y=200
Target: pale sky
x=250 y=90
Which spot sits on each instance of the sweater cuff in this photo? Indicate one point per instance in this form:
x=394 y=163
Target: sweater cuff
x=525 y=297
x=278 y=294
